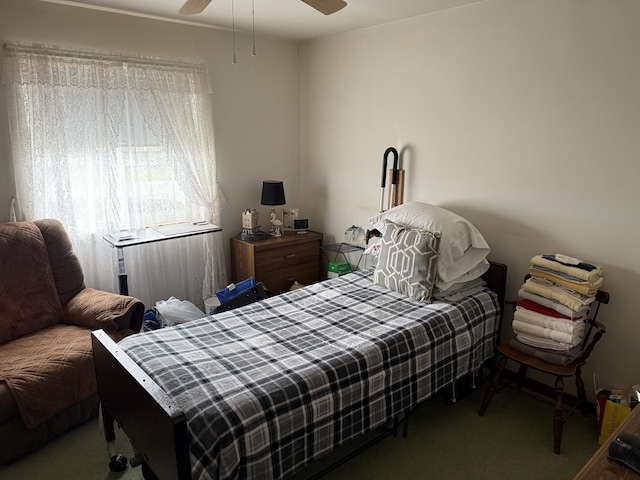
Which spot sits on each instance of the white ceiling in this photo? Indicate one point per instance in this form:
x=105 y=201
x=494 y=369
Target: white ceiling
x=289 y=19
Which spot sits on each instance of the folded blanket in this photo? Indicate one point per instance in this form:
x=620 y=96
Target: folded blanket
x=554 y=305
x=558 y=293
x=585 y=288
x=544 y=343
x=541 y=309
x=559 y=324
x=557 y=358
x=570 y=338
x=567 y=260
x=587 y=275
x=49 y=370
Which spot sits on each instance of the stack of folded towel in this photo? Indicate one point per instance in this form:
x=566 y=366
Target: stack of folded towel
x=549 y=320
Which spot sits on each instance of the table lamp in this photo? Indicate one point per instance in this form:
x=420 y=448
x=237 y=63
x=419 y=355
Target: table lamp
x=272 y=195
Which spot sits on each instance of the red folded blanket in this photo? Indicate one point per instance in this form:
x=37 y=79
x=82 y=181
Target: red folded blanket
x=541 y=309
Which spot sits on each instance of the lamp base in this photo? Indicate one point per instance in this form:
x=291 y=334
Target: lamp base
x=276 y=224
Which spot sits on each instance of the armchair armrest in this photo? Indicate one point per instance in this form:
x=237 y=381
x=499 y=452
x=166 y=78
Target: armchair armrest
x=97 y=309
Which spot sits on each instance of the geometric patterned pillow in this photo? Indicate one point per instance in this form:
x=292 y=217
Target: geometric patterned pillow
x=408 y=261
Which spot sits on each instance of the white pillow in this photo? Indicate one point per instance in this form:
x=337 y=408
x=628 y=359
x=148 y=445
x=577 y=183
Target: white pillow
x=462 y=246
x=473 y=274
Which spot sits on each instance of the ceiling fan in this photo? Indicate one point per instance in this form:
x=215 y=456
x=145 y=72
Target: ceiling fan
x=192 y=7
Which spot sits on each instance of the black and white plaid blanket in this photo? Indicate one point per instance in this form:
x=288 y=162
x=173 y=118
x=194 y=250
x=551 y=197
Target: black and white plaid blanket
x=270 y=387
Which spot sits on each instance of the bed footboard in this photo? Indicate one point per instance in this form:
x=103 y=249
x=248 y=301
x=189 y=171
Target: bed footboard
x=155 y=425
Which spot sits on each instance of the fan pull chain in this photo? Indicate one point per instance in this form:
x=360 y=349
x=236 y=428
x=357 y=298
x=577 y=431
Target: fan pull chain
x=253 y=29
x=233 y=31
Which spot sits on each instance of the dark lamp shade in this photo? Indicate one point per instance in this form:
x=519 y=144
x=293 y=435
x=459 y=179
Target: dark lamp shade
x=272 y=193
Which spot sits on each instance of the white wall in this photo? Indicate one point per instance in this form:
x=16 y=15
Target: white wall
x=255 y=102
x=521 y=115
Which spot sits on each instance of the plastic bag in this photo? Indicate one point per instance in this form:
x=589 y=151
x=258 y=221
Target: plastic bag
x=174 y=311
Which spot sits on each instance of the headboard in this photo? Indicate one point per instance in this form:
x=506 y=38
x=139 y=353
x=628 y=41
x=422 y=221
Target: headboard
x=496 y=278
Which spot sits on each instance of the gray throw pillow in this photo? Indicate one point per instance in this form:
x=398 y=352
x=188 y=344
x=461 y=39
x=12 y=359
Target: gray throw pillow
x=408 y=261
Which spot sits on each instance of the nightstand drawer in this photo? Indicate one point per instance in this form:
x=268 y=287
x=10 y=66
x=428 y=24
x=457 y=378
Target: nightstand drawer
x=278 y=262
x=281 y=280
x=287 y=257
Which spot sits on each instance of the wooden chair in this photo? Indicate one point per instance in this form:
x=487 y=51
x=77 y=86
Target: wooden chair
x=594 y=332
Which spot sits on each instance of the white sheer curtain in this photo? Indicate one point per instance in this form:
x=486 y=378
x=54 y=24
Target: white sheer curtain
x=105 y=142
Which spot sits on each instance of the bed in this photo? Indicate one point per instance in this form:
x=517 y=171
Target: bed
x=266 y=389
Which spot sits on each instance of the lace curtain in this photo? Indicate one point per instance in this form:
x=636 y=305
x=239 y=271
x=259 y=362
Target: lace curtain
x=106 y=143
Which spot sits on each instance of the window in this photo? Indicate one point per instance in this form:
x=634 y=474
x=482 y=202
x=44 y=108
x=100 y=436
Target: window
x=106 y=143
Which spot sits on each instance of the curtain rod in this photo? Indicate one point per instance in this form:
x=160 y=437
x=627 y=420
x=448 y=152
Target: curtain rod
x=51 y=50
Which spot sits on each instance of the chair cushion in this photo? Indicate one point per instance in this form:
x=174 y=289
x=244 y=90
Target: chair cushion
x=8 y=407
x=49 y=370
x=28 y=297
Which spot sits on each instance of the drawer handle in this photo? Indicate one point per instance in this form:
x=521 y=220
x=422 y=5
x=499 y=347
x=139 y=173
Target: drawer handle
x=291 y=255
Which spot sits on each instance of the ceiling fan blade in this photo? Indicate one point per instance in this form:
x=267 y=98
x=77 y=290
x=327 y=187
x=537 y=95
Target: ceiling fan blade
x=191 y=7
x=326 y=6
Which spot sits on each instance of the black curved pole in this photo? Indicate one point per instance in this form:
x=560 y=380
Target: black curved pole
x=394 y=176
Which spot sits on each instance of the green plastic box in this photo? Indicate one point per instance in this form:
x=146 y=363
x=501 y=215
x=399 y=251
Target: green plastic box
x=339 y=267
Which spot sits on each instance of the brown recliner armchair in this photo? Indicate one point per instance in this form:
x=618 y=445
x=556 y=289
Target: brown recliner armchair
x=47 y=377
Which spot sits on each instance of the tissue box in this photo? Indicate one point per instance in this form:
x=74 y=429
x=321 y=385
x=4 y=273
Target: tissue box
x=339 y=268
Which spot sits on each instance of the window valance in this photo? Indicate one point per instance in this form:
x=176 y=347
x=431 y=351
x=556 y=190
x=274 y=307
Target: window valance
x=35 y=64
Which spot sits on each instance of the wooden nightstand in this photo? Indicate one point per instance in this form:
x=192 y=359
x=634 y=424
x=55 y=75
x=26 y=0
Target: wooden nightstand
x=278 y=261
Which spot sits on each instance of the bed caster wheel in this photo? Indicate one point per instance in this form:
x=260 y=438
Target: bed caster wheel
x=118 y=463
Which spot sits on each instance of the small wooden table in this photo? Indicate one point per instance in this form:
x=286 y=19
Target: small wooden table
x=600 y=466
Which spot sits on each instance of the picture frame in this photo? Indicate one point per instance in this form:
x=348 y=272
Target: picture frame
x=288 y=217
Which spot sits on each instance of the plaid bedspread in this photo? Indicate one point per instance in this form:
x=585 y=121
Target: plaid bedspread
x=270 y=387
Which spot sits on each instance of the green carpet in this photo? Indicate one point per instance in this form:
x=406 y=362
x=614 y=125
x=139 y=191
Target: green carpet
x=512 y=441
